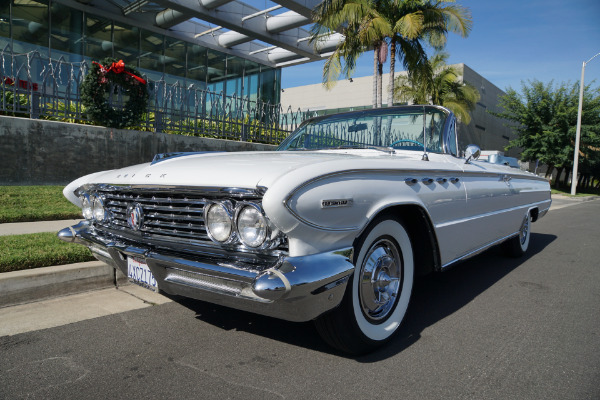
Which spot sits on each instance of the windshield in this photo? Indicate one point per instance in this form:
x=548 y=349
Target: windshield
x=408 y=128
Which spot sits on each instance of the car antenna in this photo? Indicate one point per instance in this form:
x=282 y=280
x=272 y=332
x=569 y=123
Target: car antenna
x=425 y=156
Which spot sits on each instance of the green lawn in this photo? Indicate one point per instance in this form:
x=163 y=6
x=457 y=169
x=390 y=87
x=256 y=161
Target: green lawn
x=35 y=203
x=39 y=250
x=566 y=192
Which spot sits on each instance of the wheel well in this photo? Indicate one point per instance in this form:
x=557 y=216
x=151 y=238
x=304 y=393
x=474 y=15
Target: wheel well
x=535 y=212
x=422 y=235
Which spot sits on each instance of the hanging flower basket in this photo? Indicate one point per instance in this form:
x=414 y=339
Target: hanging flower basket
x=96 y=85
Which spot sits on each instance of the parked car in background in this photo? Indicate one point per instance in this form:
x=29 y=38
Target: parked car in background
x=332 y=227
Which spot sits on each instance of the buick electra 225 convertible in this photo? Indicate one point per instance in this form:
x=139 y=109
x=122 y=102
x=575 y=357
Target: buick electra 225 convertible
x=332 y=227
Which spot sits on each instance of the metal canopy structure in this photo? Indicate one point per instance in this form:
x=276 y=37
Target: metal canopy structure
x=275 y=35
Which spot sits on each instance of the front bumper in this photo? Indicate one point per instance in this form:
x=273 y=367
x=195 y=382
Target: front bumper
x=291 y=288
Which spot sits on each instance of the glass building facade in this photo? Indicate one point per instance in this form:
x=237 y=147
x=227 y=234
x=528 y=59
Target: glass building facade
x=57 y=31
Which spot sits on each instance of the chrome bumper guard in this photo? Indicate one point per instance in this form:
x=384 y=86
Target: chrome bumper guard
x=293 y=288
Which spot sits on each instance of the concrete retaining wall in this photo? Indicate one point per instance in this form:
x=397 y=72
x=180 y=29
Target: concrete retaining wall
x=35 y=152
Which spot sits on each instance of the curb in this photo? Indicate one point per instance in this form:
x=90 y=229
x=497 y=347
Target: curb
x=31 y=285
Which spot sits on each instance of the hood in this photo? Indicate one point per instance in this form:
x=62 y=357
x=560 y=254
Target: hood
x=243 y=170
x=248 y=170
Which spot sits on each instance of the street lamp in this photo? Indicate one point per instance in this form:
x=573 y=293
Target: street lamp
x=578 y=132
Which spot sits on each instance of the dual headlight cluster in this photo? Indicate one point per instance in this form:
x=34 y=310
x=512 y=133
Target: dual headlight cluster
x=246 y=223
x=92 y=207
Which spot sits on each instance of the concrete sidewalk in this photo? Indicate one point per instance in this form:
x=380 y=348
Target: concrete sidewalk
x=60 y=311
x=21 y=228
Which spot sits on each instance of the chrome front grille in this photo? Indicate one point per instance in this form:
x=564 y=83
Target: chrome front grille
x=174 y=215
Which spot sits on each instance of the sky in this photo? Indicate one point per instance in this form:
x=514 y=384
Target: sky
x=511 y=42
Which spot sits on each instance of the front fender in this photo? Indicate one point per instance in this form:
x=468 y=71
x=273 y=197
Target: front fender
x=330 y=211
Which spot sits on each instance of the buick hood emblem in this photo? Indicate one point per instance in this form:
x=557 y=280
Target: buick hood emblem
x=135 y=216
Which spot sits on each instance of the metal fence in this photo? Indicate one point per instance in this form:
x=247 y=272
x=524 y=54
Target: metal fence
x=37 y=87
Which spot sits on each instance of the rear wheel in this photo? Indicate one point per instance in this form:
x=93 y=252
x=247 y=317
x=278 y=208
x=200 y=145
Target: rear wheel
x=518 y=245
x=378 y=294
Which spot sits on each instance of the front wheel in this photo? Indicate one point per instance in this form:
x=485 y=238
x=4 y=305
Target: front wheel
x=378 y=294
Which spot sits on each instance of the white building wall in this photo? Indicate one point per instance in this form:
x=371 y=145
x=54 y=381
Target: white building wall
x=345 y=94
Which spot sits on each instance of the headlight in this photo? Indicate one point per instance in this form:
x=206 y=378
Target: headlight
x=98 y=209
x=86 y=207
x=252 y=226
x=218 y=222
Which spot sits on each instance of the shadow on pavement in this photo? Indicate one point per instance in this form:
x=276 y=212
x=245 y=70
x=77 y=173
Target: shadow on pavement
x=434 y=298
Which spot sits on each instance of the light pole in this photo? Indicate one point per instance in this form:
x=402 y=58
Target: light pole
x=578 y=132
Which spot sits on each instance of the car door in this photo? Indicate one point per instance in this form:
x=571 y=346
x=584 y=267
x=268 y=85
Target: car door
x=490 y=202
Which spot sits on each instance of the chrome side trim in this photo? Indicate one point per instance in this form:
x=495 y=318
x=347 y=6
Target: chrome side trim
x=479 y=250
x=475 y=217
x=409 y=181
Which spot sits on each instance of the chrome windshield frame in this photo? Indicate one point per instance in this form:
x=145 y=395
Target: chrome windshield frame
x=445 y=147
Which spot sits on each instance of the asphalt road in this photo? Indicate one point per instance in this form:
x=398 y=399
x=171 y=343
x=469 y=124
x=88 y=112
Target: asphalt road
x=490 y=328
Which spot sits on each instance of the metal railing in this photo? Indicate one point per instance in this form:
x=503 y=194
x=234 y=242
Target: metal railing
x=33 y=86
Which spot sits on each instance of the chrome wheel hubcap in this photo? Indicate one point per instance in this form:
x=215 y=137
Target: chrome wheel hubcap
x=380 y=280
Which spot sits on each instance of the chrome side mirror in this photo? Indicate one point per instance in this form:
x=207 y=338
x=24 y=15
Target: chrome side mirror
x=472 y=153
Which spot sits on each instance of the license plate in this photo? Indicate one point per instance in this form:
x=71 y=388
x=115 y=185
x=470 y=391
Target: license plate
x=139 y=273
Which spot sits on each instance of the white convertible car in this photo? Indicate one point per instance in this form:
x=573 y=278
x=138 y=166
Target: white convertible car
x=332 y=227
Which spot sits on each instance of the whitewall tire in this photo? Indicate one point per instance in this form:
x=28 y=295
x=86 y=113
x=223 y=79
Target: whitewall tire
x=378 y=294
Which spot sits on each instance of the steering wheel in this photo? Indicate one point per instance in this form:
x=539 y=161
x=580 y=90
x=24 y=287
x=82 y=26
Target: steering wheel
x=406 y=140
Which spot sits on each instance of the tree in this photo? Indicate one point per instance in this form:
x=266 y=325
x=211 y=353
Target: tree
x=362 y=28
x=415 y=22
x=439 y=84
x=372 y=24
x=546 y=117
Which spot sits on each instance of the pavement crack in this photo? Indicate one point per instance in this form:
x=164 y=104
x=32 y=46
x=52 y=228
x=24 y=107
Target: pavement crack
x=138 y=297
x=230 y=382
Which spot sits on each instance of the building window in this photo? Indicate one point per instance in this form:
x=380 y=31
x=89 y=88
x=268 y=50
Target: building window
x=196 y=63
x=66 y=33
x=30 y=27
x=57 y=31
x=98 y=38
x=4 y=24
x=174 y=59
x=126 y=41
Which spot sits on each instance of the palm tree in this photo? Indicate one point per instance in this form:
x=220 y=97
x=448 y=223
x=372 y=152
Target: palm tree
x=439 y=84
x=371 y=24
x=416 y=21
x=363 y=28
